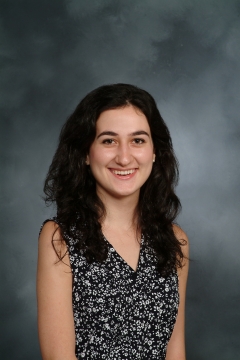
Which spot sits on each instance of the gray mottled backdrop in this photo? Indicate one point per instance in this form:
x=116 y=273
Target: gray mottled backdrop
x=187 y=55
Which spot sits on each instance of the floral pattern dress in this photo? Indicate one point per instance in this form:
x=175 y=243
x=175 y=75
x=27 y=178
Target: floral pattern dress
x=120 y=313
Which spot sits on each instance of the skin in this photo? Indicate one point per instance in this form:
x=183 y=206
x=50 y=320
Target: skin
x=123 y=143
x=176 y=345
x=54 y=289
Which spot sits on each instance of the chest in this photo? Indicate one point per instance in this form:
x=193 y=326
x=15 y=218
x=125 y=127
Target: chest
x=126 y=245
x=113 y=292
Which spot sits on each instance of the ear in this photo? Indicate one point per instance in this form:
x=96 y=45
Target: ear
x=87 y=160
x=154 y=157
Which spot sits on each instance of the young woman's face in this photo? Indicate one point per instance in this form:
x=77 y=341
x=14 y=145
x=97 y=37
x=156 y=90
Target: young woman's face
x=121 y=156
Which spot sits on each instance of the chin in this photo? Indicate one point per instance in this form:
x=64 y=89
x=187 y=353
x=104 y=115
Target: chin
x=126 y=193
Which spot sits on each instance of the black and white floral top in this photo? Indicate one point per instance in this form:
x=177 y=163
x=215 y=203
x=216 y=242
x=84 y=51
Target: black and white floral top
x=120 y=313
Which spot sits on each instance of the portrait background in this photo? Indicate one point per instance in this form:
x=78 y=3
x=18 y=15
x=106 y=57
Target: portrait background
x=187 y=55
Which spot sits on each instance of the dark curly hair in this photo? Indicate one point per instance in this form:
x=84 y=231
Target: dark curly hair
x=70 y=184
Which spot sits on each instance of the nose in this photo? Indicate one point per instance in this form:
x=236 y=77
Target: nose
x=123 y=156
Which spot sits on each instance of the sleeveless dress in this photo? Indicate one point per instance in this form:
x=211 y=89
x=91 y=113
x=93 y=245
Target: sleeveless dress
x=120 y=313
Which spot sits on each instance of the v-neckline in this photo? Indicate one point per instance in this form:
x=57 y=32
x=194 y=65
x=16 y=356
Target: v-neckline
x=122 y=259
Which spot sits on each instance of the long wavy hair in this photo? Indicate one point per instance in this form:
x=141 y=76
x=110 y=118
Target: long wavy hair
x=71 y=185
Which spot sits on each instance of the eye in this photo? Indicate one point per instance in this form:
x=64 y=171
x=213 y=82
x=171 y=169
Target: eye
x=108 y=141
x=138 y=141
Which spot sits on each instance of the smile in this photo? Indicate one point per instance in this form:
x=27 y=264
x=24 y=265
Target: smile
x=123 y=172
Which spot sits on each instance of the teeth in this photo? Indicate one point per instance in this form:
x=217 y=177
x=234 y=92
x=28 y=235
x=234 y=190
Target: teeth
x=126 y=172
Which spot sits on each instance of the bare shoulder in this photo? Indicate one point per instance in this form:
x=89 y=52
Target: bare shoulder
x=183 y=238
x=49 y=230
x=176 y=345
x=51 y=242
x=54 y=295
x=179 y=233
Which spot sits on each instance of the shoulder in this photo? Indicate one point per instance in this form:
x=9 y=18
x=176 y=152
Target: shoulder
x=182 y=238
x=54 y=295
x=179 y=233
x=48 y=228
x=176 y=345
x=50 y=238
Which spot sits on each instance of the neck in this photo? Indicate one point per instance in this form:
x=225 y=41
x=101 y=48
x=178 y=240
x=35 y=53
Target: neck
x=120 y=213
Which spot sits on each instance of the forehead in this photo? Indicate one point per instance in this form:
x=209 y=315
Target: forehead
x=124 y=119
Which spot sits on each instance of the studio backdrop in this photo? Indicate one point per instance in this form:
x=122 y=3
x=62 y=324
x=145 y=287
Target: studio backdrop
x=187 y=55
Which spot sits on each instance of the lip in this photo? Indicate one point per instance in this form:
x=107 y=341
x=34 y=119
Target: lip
x=132 y=173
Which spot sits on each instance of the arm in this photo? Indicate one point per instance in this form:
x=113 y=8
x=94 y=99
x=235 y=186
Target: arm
x=176 y=345
x=54 y=296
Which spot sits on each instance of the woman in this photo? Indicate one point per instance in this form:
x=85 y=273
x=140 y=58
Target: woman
x=112 y=266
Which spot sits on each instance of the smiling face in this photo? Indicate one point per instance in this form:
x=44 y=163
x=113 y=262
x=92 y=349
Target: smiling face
x=121 y=155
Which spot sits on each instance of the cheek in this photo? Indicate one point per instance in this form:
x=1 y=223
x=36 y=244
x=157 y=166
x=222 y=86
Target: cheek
x=99 y=156
x=145 y=157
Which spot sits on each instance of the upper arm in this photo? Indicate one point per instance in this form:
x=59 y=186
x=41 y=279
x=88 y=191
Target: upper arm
x=176 y=345
x=54 y=296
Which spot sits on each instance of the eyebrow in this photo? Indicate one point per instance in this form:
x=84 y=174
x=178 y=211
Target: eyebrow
x=135 y=133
